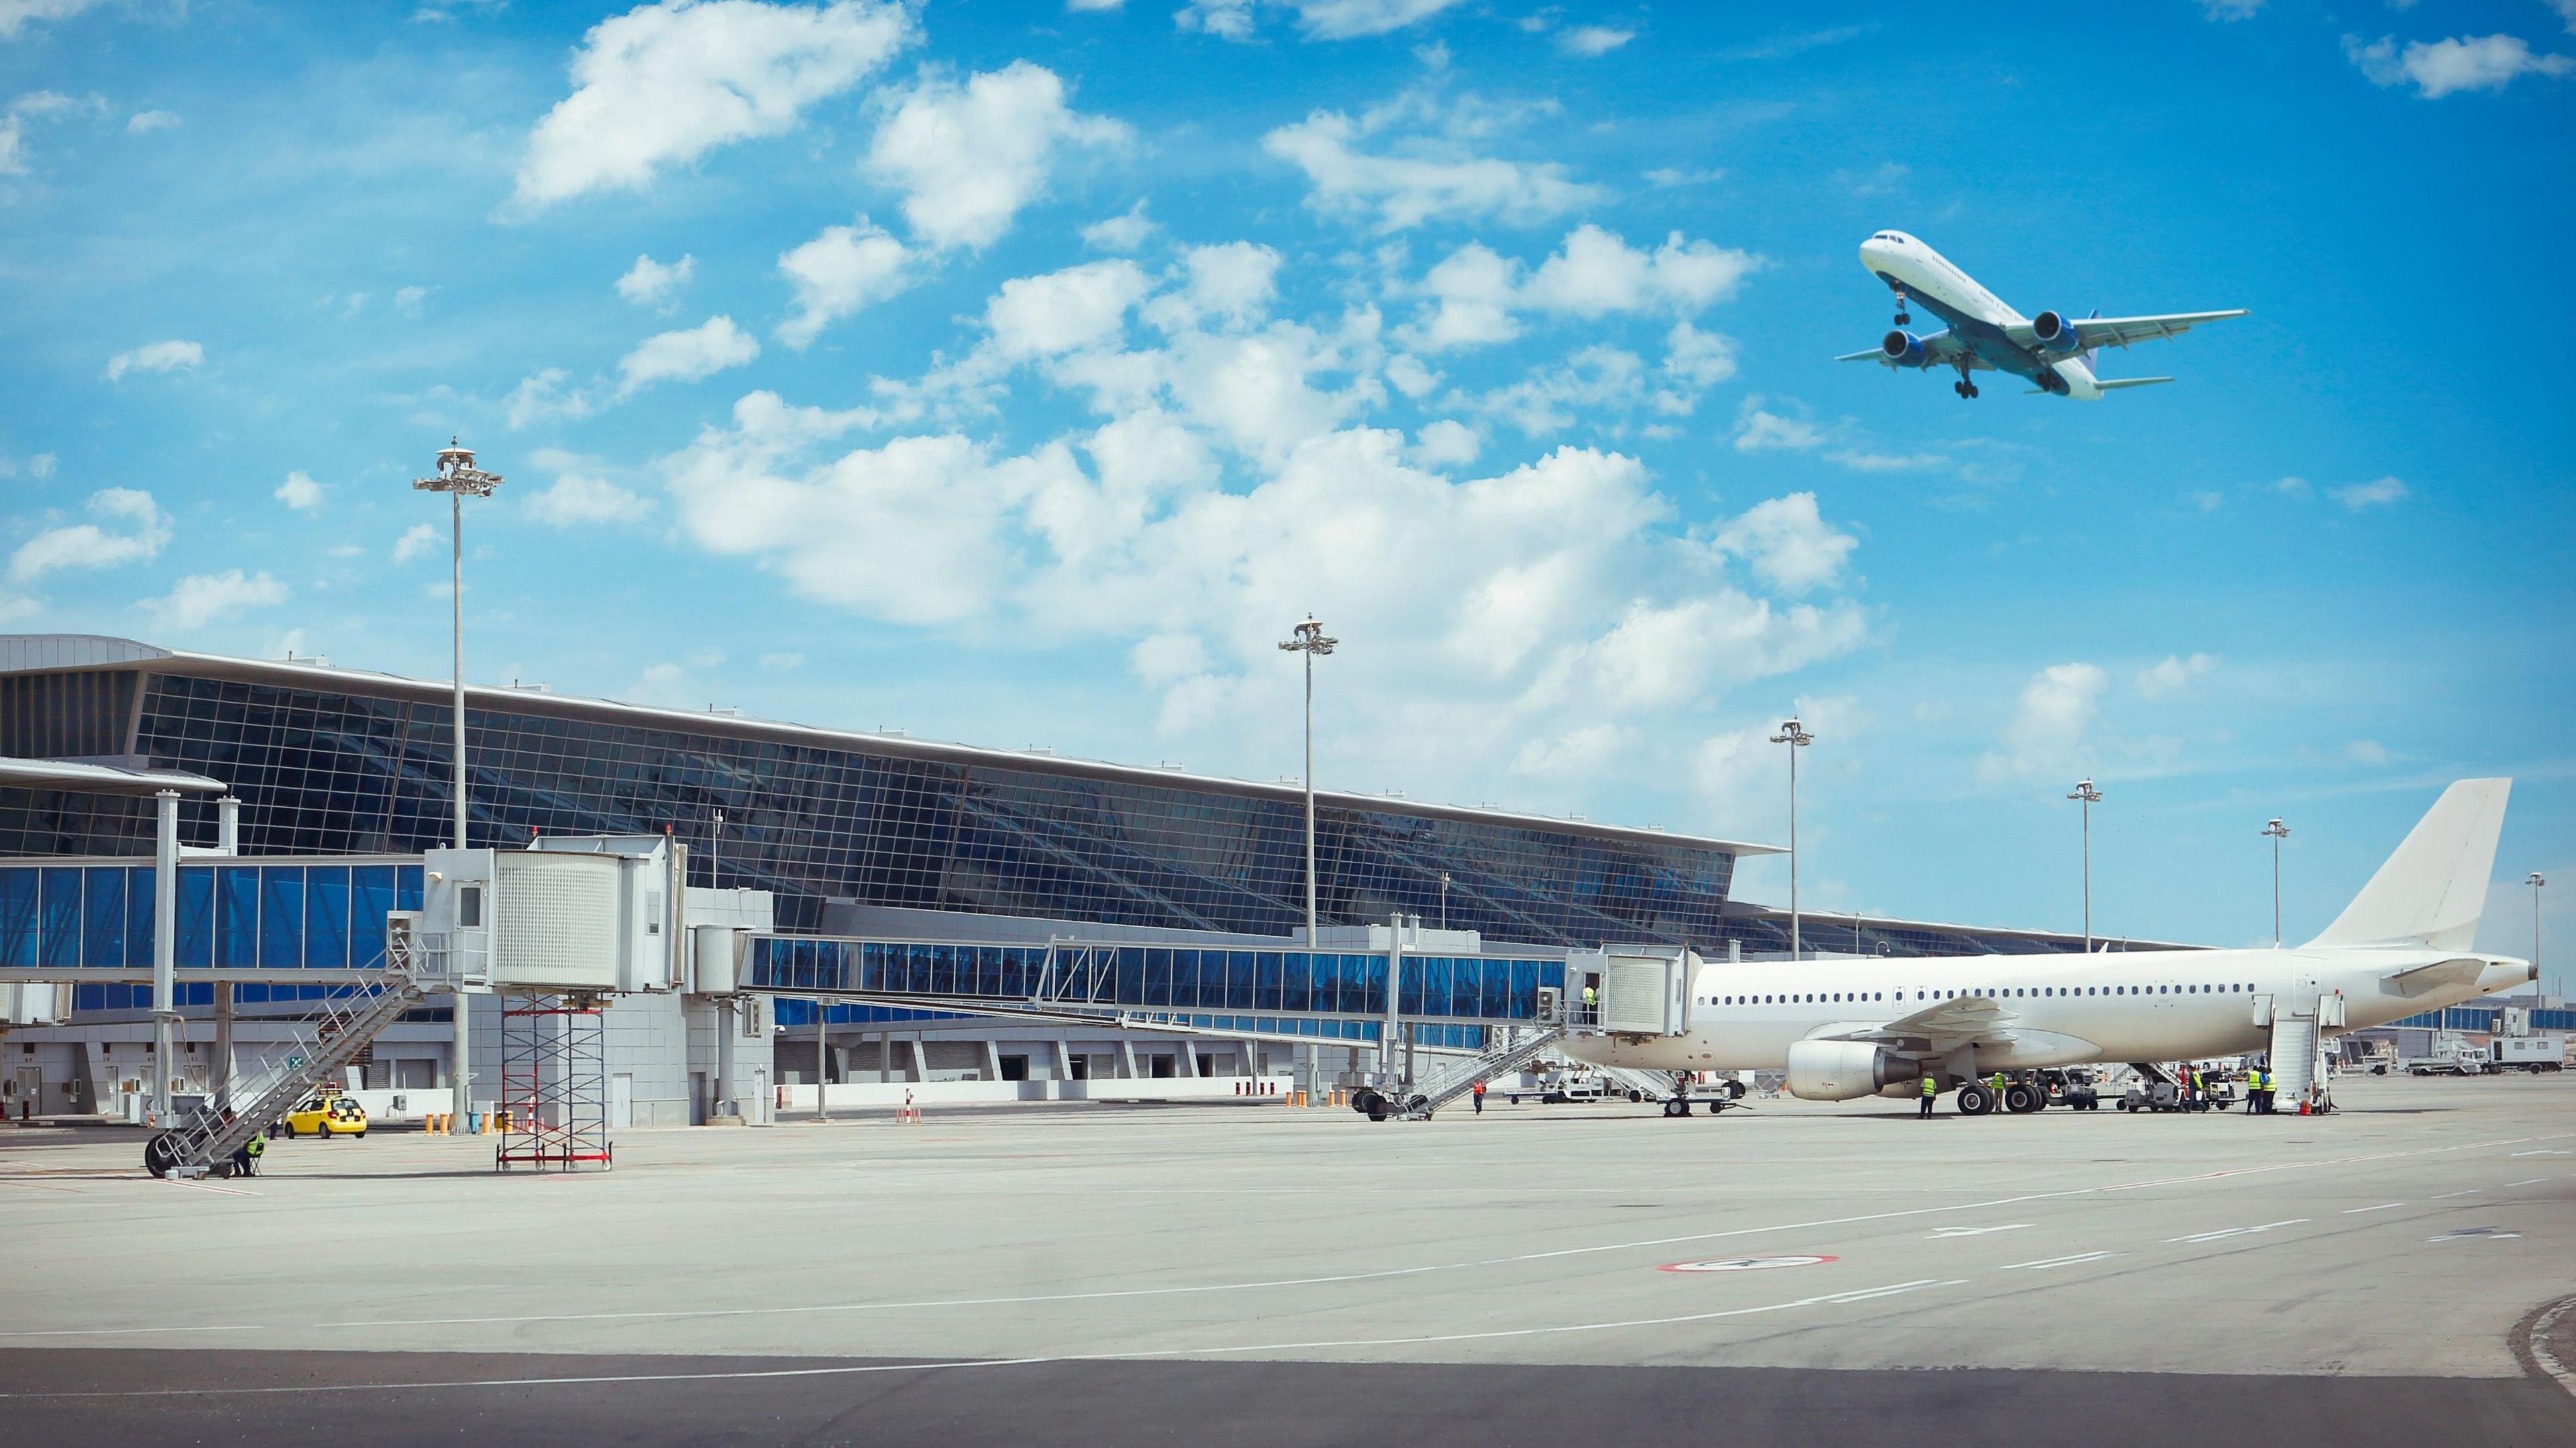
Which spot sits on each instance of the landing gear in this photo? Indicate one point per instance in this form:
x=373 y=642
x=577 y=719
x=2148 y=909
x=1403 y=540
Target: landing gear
x=2019 y=1098
x=1975 y=1100
x=1902 y=316
x=1964 y=388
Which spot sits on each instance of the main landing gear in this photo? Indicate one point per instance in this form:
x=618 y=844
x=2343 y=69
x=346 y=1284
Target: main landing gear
x=1963 y=386
x=1903 y=318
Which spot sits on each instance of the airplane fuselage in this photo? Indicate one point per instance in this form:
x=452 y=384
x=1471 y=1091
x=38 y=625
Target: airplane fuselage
x=1977 y=316
x=2059 y=1009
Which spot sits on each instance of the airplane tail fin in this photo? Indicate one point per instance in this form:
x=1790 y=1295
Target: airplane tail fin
x=2089 y=351
x=2432 y=890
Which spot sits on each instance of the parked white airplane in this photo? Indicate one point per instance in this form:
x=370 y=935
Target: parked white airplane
x=1844 y=1029
x=2053 y=351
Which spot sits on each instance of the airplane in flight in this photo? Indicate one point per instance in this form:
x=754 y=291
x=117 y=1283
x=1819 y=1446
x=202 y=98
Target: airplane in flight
x=1845 y=1029
x=2052 y=351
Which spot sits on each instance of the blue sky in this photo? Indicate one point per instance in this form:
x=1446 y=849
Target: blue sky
x=1019 y=374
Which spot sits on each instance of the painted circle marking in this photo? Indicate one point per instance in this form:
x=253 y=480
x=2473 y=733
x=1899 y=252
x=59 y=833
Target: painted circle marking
x=1744 y=1264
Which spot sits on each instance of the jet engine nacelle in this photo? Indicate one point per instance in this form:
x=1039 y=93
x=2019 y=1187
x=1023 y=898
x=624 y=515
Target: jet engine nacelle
x=2055 y=332
x=1844 y=1070
x=1902 y=348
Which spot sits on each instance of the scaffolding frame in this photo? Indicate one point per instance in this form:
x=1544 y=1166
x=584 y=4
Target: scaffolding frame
x=554 y=1084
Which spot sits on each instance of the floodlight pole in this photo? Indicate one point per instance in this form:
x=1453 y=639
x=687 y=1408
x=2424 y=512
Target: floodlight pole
x=2090 y=796
x=2276 y=832
x=2535 y=881
x=1795 y=735
x=1309 y=640
x=457 y=476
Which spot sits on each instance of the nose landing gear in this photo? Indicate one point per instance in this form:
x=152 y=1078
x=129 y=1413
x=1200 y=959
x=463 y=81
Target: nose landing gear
x=1902 y=316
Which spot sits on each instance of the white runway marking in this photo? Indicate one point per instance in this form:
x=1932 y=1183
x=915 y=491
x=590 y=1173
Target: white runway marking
x=2548 y=1360
x=2471 y=1192
x=1944 y=1233
x=2383 y=1206
x=2544 y=1151
x=1865 y=1294
x=2235 y=1231
x=207 y=1187
x=2526 y=1181
x=1329 y=1279
x=2044 y=1263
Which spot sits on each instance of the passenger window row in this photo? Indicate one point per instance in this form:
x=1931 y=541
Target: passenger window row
x=2015 y=992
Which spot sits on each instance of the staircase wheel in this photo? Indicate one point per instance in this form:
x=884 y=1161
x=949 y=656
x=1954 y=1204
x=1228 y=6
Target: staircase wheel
x=1734 y=1090
x=1418 y=1103
x=160 y=1154
x=1376 y=1107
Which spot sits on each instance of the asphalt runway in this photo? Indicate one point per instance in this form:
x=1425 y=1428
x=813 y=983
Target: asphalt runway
x=1268 y=1275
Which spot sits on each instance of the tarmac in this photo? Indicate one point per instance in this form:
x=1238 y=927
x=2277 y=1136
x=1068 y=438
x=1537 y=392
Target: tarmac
x=2396 y=1273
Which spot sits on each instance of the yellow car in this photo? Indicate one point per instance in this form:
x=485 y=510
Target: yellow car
x=328 y=1117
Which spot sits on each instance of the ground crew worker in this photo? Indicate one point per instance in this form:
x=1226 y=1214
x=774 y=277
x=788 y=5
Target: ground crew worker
x=2199 y=1086
x=1998 y=1084
x=1931 y=1089
x=1480 y=1098
x=2270 y=1084
x=1587 y=1002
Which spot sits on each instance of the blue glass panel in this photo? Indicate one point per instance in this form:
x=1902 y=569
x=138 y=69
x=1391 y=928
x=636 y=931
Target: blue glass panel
x=18 y=893
x=1408 y=993
x=1266 y=981
x=1524 y=990
x=281 y=917
x=326 y=917
x=802 y=972
x=237 y=917
x=89 y=997
x=407 y=887
x=916 y=969
x=196 y=917
x=988 y=970
x=62 y=917
x=1238 y=981
x=141 y=903
x=1015 y=971
x=1161 y=966
x=371 y=899
x=103 y=918
x=872 y=967
x=1375 y=1003
x=1297 y=984
x=943 y=970
x=1131 y=977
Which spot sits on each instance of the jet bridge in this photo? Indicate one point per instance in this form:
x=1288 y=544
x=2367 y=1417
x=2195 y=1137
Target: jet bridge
x=1639 y=991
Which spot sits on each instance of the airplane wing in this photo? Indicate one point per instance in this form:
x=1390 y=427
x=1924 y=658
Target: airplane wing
x=1941 y=349
x=1940 y=1028
x=2094 y=332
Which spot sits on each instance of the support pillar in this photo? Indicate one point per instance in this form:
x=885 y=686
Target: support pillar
x=920 y=1061
x=165 y=954
x=1189 y=1057
x=1252 y=1059
x=1127 y=1057
x=724 y=1104
x=1063 y=1060
x=992 y=1059
x=885 y=1058
x=222 y=1070
x=822 y=1060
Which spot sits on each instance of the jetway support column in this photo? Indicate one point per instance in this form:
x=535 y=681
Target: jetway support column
x=165 y=953
x=222 y=1083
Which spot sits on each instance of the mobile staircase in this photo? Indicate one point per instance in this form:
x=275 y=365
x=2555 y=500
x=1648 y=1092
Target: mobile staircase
x=205 y=1145
x=1509 y=1049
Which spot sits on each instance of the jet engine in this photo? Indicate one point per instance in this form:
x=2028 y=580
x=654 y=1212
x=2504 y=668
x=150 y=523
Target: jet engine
x=1844 y=1070
x=2055 y=332
x=1902 y=348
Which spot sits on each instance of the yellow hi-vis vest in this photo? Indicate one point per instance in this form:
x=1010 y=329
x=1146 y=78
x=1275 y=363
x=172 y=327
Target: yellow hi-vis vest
x=1931 y=1087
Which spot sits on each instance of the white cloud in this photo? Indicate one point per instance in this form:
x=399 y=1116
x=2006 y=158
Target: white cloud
x=1232 y=284
x=144 y=123
x=688 y=355
x=156 y=357
x=39 y=466
x=782 y=662
x=1591 y=40
x=2171 y=676
x=665 y=83
x=2368 y=752
x=14 y=14
x=416 y=540
x=1446 y=444
x=1124 y=232
x=1409 y=375
x=407 y=300
x=838 y=273
x=2380 y=493
x=1419 y=178
x=650 y=283
x=577 y=499
x=1700 y=359
x=1319 y=19
x=1063 y=311
x=204 y=598
x=1594 y=274
x=2567 y=12
x=1759 y=429
x=1788 y=544
x=13 y=132
x=968 y=157
x=299 y=492
x=542 y=395
x=2050 y=725
x=1552 y=398
x=2485 y=62
x=131 y=528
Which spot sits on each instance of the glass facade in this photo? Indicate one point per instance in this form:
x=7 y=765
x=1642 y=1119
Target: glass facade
x=2484 y=1019
x=348 y=771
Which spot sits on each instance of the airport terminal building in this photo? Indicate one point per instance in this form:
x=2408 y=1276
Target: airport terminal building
x=894 y=865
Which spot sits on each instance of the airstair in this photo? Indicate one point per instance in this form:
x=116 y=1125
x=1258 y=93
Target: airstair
x=346 y=1027
x=1511 y=1048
